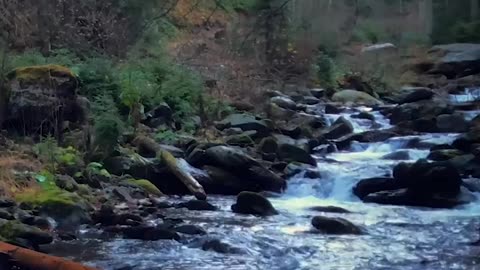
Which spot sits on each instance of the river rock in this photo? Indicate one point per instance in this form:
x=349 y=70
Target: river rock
x=406 y=197
x=414 y=94
x=244 y=167
x=149 y=233
x=333 y=109
x=364 y=115
x=198 y=205
x=372 y=185
x=253 y=203
x=355 y=97
x=398 y=155
x=245 y=122
x=329 y=209
x=268 y=145
x=335 y=225
x=190 y=229
x=444 y=154
x=454 y=123
x=284 y=102
x=220 y=247
x=290 y=152
x=456 y=60
x=339 y=128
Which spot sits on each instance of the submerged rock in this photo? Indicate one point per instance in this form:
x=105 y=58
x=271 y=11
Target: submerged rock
x=198 y=205
x=330 y=209
x=253 y=203
x=335 y=225
x=149 y=233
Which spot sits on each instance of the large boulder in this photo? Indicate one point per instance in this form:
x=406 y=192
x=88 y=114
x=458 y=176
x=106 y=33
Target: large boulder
x=456 y=60
x=41 y=98
x=414 y=94
x=335 y=225
x=372 y=185
x=355 y=97
x=253 y=203
x=419 y=110
x=254 y=175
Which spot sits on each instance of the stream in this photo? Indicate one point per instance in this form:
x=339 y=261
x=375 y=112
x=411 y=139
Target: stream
x=397 y=237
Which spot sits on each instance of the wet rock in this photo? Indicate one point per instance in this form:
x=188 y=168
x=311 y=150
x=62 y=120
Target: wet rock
x=14 y=229
x=4 y=214
x=372 y=185
x=190 y=229
x=245 y=139
x=398 y=155
x=245 y=122
x=268 y=145
x=244 y=167
x=335 y=225
x=149 y=233
x=296 y=168
x=330 y=209
x=364 y=115
x=310 y=100
x=414 y=94
x=219 y=247
x=444 y=154
x=456 y=60
x=425 y=178
x=253 y=203
x=284 y=102
x=6 y=203
x=406 y=197
x=318 y=93
x=454 y=123
x=355 y=97
x=289 y=153
x=472 y=184
x=198 y=205
x=333 y=109
x=339 y=128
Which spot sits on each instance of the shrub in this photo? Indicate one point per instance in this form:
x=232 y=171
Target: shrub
x=108 y=124
x=96 y=76
x=325 y=70
x=466 y=32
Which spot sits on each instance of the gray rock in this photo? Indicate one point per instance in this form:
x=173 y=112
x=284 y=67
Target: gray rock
x=245 y=122
x=290 y=152
x=284 y=102
x=454 y=123
x=339 y=128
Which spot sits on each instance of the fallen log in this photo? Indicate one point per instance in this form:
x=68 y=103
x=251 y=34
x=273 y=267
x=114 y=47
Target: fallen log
x=30 y=259
x=173 y=165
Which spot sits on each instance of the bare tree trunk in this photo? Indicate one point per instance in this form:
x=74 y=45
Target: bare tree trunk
x=43 y=25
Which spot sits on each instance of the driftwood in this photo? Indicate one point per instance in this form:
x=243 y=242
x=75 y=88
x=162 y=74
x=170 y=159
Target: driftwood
x=173 y=165
x=30 y=259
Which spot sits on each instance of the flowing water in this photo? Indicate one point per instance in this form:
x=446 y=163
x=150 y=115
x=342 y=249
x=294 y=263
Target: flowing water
x=397 y=237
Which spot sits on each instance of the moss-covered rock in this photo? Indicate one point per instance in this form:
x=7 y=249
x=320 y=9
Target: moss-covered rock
x=12 y=231
x=146 y=185
x=40 y=98
x=67 y=208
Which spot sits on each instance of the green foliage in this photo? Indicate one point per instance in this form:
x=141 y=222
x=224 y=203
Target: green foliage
x=55 y=156
x=166 y=136
x=466 y=32
x=108 y=124
x=243 y=5
x=97 y=78
x=368 y=32
x=61 y=57
x=325 y=70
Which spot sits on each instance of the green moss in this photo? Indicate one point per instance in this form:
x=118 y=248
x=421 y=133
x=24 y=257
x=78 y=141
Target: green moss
x=48 y=197
x=146 y=186
x=9 y=230
x=40 y=73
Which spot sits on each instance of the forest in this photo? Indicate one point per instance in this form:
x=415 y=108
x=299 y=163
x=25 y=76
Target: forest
x=239 y=134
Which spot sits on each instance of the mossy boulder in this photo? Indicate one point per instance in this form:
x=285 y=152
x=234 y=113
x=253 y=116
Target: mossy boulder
x=146 y=185
x=67 y=208
x=355 y=97
x=15 y=232
x=40 y=98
